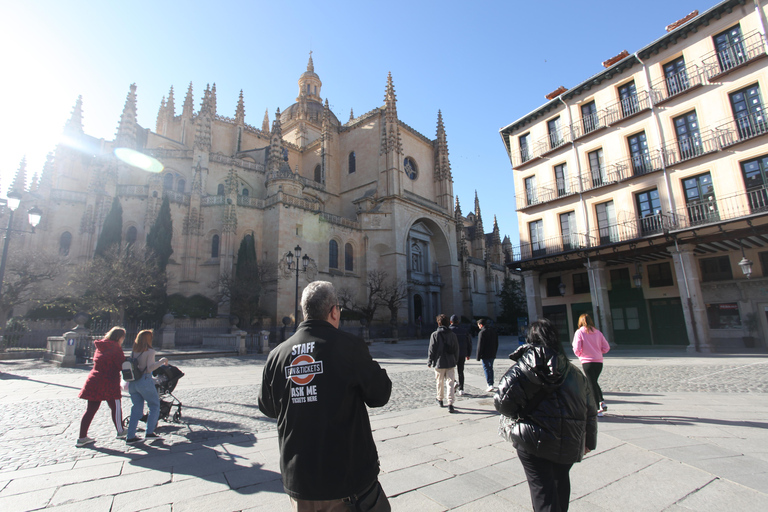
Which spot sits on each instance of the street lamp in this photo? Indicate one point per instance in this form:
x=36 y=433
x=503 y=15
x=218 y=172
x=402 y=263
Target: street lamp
x=745 y=264
x=35 y=214
x=304 y=261
x=561 y=288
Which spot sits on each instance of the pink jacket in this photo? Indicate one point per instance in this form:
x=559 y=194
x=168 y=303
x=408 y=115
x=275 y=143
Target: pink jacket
x=589 y=347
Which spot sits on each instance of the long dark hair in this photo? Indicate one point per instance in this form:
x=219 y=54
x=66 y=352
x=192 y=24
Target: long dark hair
x=543 y=332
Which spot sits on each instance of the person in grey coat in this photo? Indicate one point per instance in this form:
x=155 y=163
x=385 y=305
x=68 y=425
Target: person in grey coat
x=442 y=353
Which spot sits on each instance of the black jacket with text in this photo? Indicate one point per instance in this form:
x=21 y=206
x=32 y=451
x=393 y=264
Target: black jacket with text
x=317 y=384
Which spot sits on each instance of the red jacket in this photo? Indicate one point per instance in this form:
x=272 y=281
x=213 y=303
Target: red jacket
x=103 y=383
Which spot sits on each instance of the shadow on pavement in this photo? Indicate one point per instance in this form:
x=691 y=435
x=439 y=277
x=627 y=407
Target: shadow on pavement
x=680 y=420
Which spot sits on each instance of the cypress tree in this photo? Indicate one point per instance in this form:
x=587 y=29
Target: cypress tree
x=245 y=288
x=112 y=230
x=159 y=237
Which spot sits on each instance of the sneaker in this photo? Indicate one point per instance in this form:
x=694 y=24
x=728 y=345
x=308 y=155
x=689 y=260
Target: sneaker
x=600 y=414
x=132 y=440
x=439 y=402
x=490 y=389
x=84 y=441
x=603 y=407
x=122 y=435
x=460 y=392
x=451 y=409
x=151 y=436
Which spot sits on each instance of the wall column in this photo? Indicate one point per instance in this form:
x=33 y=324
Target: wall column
x=533 y=295
x=598 y=290
x=694 y=309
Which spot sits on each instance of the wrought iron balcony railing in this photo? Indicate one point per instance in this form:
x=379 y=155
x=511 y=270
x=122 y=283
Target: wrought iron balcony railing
x=590 y=124
x=628 y=107
x=734 y=55
x=550 y=246
x=547 y=192
x=667 y=87
x=686 y=148
x=735 y=130
x=638 y=165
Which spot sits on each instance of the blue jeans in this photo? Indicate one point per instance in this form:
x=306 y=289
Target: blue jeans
x=142 y=390
x=488 y=371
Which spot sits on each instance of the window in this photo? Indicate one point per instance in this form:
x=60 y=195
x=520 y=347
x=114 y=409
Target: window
x=411 y=170
x=215 y=246
x=181 y=186
x=748 y=111
x=474 y=280
x=220 y=190
x=755 y=173
x=730 y=48
x=553 y=128
x=626 y=319
x=568 y=230
x=530 y=191
x=553 y=286
x=649 y=211
x=416 y=258
x=606 y=223
x=763 y=262
x=65 y=241
x=246 y=192
x=333 y=254
x=638 y=150
x=724 y=316
x=597 y=167
x=131 y=235
x=348 y=258
x=581 y=282
x=496 y=284
x=715 y=269
x=536 y=229
x=589 y=117
x=700 y=199
x=352 y=162
x=168 y=181
x=629 y=102
x=525 y=152
x=659 y=274
x=675 y=76
x=620 y=279
x=561 y=178
x=318 y=174
x=688 y=138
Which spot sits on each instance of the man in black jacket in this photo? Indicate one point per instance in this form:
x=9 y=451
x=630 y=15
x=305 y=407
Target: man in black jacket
x=317 y=384
x=442 y=352
x=487 y=346
x=465 y=349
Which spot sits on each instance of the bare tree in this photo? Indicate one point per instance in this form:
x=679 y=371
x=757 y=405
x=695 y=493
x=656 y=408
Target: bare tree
x=243 y=292
x=392 y=296
x=29 y=276
x=367 y=306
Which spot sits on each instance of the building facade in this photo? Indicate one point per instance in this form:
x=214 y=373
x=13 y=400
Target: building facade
x=641 y=192
x=368 y=194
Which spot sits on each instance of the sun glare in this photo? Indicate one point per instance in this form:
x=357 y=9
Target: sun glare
x=138 y=160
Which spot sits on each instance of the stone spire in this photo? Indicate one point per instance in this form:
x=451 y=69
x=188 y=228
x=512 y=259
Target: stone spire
x=479 y=233
x=275 y=158
x=309 y=83
x=171 y=104
x=457 y=210
x=188 y=110
x=495 y=235
x=203 y=123
x=160 y=123
x=390 y=130
x=240 y=110
x=326 y=134
x=213 y=99
x=75 y=123
x=351 y=114
x=46 y=177
x=20 y=180
x=265 y=122
x=34 y=184
x=126 y=130
x=443 y=164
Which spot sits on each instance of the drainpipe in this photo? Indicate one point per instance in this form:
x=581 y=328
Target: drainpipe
x=578 y=170
x=761 y=17
x=688 y=297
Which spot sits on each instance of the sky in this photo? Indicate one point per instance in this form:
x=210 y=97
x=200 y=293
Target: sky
x=483 y=64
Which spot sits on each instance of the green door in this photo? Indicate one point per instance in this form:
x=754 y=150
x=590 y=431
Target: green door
x=668 y=322
x=630 y=317
x=558 y=315
x=579 y=309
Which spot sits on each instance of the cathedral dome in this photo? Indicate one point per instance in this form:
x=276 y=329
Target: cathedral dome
x=312 y=111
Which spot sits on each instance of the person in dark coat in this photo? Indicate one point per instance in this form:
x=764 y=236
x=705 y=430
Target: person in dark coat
x=487 y=346
x=465 y=350
x=103 y=383
x=548 y=414
x=441 y=354
x=317 y=383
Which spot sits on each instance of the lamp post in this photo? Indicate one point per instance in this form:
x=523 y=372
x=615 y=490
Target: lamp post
x=745 y=264
x=35 y=214
x=305 y=261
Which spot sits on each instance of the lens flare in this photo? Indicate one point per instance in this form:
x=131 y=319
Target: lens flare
x=138 y=160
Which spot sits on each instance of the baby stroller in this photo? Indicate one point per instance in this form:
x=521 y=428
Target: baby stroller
x=166 y=378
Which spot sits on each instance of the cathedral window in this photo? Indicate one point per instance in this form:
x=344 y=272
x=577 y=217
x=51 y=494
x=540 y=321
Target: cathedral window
x=65 y=241
x=349 y=258
x=246 y=192
x=409 y=165
x=474 y=280
x=131 y=235
x=351 y=162
x=168 y=181
x=220 y=190
x=333 y=254
x=416 y=258
x=181 y=186
x=318 y=174
x=215 y=246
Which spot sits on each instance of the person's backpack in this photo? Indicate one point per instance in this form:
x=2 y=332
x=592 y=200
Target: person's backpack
x=130 y=369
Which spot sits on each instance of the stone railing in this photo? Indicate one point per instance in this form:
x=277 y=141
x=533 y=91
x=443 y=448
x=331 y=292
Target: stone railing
x=341 y=221
x=133 y=190
x=69 y=196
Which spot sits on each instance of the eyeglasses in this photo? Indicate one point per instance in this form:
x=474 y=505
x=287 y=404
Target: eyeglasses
x=337 y=306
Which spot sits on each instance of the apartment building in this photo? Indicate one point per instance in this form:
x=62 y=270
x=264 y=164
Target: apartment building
x=642 y=193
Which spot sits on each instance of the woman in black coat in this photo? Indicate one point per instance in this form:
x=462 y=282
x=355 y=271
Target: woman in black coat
x=548 y=414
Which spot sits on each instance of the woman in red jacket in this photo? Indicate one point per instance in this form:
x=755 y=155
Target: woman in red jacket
x=103 y=383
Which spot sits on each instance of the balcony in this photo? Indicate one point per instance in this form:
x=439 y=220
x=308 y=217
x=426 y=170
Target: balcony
x=547 y=192
x=549 y=247
x=719 y=63
x=525 y=156
x=638 y=165
x=601 y=178
x=555 y=140
x=628 y=107
x=731 y=207
x=735 y=130
x=669 y=87
x=176 y=197
x=590 y=124
x=687 y=148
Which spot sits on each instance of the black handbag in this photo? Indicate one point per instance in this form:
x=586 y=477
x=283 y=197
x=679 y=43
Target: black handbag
x=372 y=499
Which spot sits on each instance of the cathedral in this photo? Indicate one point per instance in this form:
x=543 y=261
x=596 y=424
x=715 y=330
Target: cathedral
x=367 y=194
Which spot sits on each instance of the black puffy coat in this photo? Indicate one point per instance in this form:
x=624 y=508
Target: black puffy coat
x=565 y=420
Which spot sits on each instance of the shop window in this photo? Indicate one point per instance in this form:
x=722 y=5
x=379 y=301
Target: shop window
x=724 y=315
x=660 y=274
x=715 y=269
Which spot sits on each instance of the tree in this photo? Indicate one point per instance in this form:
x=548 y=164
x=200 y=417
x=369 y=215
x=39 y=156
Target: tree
x=513 y=302
x=112 y=230
x=28 y=278
x=367 y=306
x=159 y=238
x=392 y=296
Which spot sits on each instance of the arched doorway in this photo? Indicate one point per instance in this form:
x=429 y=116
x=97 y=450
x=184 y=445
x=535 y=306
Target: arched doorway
x=417 y=308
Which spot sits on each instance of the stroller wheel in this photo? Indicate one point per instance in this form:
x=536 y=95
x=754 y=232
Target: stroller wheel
x=177 y=417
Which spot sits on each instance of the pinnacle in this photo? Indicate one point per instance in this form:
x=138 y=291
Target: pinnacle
x=310 y=64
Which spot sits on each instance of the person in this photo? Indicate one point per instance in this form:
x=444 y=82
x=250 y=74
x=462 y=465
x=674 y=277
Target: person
x=465 y=350
x=441 y=354
x=103 y=383
x=487 y=346
x=548 y=415
x=317 y=384
x=143 y=389
x=589 y=345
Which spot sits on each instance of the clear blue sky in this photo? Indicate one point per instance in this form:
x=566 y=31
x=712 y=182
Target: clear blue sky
x=484 y=64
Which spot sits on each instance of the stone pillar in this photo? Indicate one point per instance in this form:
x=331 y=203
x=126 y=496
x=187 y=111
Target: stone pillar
x=533 y=295
x=694 y=309
x=598 y=290
x=169 y=332
x=71 y=340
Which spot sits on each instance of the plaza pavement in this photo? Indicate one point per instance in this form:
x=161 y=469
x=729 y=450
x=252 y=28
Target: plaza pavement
x=684 y=433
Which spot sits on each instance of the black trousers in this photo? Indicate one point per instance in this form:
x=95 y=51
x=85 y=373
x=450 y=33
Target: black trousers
x=460 y=370
x=548 y=482
x=592 y=371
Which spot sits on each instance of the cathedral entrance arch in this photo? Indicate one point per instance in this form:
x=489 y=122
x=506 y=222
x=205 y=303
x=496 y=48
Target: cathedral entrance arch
x=417 y=308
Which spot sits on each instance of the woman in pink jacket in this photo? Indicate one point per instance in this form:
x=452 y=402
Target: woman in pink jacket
x=589 y=345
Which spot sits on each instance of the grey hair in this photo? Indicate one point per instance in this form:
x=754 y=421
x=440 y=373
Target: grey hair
x=317 y=300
